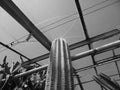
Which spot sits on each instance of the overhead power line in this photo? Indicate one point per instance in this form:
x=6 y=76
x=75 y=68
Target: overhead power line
x=76 y=13
x=71 y=19
x=83 y=15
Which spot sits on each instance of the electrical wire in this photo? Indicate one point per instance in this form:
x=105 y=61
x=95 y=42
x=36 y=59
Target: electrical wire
x=75 y=14
x=97 y=4
x=70 y=28
x=83 y=15
x=68 y=16
x=71 y=19
x=102 y=7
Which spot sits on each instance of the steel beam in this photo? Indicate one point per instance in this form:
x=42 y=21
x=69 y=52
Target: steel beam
x=101 y=62
x=109 y=81
x=20 y=17
x=82 y=18
x=90 y=46
x=109 y=59
x=15 y=12
x=17 y=52
x=106 y=82
x=29 y=72
x=95 y=51
x=37 y=59
x=78 y=44
x=59 y=75
x=98 y=50
x=95 y=38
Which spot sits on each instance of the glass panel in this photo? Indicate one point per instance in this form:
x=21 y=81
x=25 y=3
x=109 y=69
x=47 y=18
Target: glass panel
x=87 y=75
x=92 y=86
x=108 y=69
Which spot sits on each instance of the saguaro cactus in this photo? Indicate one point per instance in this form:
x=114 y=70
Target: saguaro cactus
x=59 y=76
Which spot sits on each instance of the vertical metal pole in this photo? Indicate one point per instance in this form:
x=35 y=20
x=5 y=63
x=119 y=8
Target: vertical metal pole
x=81 y=18
x=78 y=79
x=85 y=31
x=84 y=28
x=59 y=76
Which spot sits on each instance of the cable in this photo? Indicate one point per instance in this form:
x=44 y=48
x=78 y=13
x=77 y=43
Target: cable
x=75 y=14
x=102 y=7
x=95 y=5
x=83 y=15
x=71 y=19
x=78 y=17
x=59 y=20
x=67 y=17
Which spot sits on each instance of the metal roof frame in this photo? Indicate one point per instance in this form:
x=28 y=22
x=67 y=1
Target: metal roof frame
x=23 y=20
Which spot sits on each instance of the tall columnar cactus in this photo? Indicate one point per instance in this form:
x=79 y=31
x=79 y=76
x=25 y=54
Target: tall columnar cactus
x=59 y=76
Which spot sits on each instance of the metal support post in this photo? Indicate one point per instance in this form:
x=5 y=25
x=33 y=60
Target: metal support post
x=59 y=75
x=78 y=79
x=81 y=18
x=90 y=46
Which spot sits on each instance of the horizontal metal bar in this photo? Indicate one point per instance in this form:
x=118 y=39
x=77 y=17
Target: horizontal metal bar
x=14 y=50
x=45 y=66
x=78 y=44
x=103 y=48
x=98 y=50
x=19 y=16
x=31 y=71
x=95 y=38
x=109 y=59
x=43 y=57
x=101 y=62
x=17 y=52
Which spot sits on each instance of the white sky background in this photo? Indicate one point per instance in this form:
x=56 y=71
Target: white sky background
x=45 y=12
